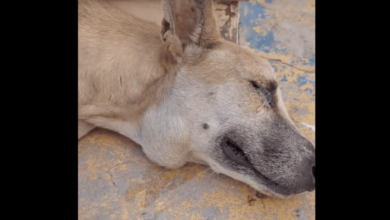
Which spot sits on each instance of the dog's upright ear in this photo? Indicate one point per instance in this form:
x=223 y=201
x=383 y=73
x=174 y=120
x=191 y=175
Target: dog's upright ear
x=188 y=23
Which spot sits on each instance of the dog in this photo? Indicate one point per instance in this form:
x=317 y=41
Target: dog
x=185 y=94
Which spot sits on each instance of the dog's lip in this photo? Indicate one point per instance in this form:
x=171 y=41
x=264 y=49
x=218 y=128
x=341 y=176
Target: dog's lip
x=272 y=186
x=247 y=164
x=235 y=153
x=259 y=177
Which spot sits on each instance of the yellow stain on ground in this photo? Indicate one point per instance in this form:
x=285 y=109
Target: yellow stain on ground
x=272 y=22
x=278 y=15
x=103 y=139
x=122 y=167
x=261 y=2
x=238 y=208
x=257 y=29
x=307 y=86
x=125 y=213
x=311 y=6
x=162 y=204
x=91 y=167
x=302 y=19
x=286 y=59
x=140 y=198
x=241 y=203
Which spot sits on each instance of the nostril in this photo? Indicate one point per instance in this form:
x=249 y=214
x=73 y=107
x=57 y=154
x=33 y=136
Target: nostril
x=314 y=171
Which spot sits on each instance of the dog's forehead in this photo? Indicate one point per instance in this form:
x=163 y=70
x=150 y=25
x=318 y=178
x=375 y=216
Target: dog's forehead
x=230 y=63
x=249 y=64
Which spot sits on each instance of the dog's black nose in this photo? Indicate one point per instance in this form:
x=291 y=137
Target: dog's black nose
x=307 y=171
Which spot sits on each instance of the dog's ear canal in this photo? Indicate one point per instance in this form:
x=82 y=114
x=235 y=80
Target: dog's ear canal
x=164 y=28
x=189 y=22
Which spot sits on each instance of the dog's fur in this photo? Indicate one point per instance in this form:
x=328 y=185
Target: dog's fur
x=187 y=95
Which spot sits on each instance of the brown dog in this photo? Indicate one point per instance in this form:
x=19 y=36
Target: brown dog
x=187 y=95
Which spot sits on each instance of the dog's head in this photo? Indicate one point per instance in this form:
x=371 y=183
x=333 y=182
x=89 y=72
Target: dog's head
x=225 y=108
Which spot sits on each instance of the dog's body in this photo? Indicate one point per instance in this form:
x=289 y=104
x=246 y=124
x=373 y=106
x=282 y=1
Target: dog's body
x=187 y=95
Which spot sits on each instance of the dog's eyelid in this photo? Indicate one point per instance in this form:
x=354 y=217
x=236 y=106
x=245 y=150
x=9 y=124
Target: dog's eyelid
x=264 y=93
x=254 y=84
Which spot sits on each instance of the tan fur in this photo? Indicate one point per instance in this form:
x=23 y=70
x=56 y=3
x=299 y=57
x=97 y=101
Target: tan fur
x=84 y=128
x=179 y=89
x=106 y=49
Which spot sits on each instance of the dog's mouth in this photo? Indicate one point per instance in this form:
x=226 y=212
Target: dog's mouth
x=235 y=154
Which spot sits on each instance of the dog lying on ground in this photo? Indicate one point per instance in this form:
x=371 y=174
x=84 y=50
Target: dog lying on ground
x=187 y=95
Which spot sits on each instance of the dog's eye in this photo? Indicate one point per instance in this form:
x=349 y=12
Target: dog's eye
x=255 y=85
x=264 y=93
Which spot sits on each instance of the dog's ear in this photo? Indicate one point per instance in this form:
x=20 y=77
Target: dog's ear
x=188 y=22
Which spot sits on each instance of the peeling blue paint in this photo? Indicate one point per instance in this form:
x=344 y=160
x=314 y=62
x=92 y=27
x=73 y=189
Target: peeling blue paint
x=249 y=18
x=284 y=79
x=309 y=91
x=301 y=80
x=257 y=41
x=312 y=61
x=253 y=13
x=265 y=42
x=283 y=50
x=274 y=67
x=312 y=82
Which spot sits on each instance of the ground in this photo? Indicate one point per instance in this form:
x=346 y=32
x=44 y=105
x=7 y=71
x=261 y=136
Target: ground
x=117 y=181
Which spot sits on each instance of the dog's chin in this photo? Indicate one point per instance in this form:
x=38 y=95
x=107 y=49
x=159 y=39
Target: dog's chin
x=244 y=179
x=221 y=169
x=264 y=190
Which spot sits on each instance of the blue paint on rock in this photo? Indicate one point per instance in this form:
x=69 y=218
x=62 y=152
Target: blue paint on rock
x=302 y=80
x=257 y=41
x=312 y=61
x=309 y=91
x=253 y=13
x=264 y=43
x=311 y=81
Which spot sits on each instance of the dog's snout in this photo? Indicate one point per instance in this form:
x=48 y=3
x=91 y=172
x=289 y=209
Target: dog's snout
x=307 y=179
x=314 y=171
x=307 y=170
